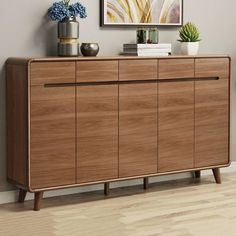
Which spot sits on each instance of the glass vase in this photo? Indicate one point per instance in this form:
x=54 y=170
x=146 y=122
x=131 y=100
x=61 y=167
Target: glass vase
x=153 y=36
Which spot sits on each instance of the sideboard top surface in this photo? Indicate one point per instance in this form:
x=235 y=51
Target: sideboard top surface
x=25 y=61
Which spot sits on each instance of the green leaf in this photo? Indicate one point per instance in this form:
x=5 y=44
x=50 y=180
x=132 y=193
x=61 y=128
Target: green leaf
x=189 y=33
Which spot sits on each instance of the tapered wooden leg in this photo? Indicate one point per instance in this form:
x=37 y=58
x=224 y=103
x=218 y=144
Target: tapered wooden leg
x=38 y=200
x=197 y=174
x=145 y=183
x=107 y=189
x=217 y=176
x=22 y=195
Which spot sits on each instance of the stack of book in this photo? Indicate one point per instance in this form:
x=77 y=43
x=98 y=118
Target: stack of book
x=160 y=49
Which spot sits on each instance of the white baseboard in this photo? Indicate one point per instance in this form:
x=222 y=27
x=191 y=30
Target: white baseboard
x=11 y=196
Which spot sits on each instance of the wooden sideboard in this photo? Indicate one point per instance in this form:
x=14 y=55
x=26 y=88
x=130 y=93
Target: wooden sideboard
x=80 y=121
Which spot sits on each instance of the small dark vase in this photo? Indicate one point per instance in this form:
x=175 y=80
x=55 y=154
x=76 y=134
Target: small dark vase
x=89 y=49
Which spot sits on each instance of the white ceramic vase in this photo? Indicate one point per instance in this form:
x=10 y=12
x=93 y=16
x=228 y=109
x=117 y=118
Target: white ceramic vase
x=189 y=48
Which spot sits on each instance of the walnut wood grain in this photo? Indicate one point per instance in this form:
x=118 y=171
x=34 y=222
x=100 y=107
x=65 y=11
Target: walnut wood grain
x=97 y=71
x=52 y=138
x=25 y=60
x=52 y=141
x=176 y=68
x=137 y=129
x=52 y=72
x=213 y=67
x=137 y=70
x=97 y=132
x=17 y=123
x=175 y=126
x=211 y=122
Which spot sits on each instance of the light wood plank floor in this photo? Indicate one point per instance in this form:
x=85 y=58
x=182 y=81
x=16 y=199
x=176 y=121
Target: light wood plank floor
x=175 y=208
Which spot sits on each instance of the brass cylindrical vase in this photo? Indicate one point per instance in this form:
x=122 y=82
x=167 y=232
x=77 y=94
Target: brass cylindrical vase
x=68 y=37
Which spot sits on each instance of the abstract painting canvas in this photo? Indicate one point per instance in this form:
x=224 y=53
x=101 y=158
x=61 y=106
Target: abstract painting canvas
x=142 y=12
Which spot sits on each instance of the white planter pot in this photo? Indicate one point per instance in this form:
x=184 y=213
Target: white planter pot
x=189 y=48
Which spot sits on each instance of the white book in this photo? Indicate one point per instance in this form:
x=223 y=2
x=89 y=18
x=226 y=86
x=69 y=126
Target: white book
x=153 y=54
x=142 y=46
x=149 y=50
x=144 y=54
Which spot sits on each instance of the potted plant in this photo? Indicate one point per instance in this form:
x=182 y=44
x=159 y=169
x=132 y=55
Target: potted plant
x=68 y=27
x=189 y=38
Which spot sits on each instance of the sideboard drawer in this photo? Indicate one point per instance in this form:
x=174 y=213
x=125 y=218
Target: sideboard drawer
x=97 y=71
x=52 y=73
x=212 y=67
x=176 y=68
x=138 y=70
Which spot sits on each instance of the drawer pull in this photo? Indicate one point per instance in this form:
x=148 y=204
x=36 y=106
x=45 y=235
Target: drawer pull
x=129 y=82
x=59 y=85
x=186 y=79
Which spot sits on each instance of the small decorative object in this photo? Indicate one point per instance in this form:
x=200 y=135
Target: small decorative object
x=153 y=36
x=189 y=38
x=141 y=12
x=89 y=49
x=160 y=49
x=68 y=26
x=147 y=35
x=141 y=35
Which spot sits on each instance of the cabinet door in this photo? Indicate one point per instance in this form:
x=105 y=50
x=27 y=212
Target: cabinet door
x=137 y=129
x=97 y=132
x=52 y=136
x=176 y=126
x=212 y=113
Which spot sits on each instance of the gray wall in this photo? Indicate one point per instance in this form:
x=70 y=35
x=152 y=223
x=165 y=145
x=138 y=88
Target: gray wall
x=25 y=31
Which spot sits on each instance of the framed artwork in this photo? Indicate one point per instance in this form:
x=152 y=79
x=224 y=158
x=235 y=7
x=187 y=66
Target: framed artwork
x=141 y=12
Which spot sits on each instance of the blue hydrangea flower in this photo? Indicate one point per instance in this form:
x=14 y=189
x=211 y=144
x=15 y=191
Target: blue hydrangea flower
x=77 y=9
x=58 y=11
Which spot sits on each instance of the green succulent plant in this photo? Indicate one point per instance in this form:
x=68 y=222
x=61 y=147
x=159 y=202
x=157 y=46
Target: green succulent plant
x=66 y=2
x=189 y=33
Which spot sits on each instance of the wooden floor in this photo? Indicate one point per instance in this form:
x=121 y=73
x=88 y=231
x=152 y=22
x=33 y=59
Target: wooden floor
x=176 y=208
